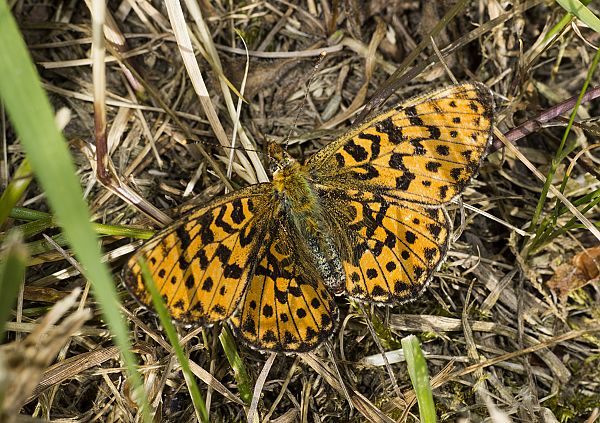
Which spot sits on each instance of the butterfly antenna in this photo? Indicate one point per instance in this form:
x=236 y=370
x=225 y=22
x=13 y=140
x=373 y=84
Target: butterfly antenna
x=306 y=91
x=238 y=110
x=216 y=144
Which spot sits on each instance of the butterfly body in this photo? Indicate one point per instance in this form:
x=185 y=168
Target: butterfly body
x=364 y=216
x=306 y=220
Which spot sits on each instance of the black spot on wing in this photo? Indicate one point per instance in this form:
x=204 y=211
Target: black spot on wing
x=247 y=235
x=444 y=192
x=281 y=296
x=413 y=116
x=357 y=152
x=219 y=310
x=223 y=253
x=237 y=214
x=221 y=224
x=369 y=172
x=430 y=254
x=249 y=326
x=418 y=148
x=267 y=311
x=269 y=336
x=442 y=150
x=372 y=273
x=400 y=287
x=375 y=143
x=455 y=173
x=295 y=291
x=434 y=229
x=403 y=181
x=233 y=271
x=397 y=161
x=202 y=259
x=434 y=132
x=206 y=234
x=207 y=284
x=310 y=334
x=183 y=236
x=433 y=166
x=393 y=132
x=377 y=291
x=190 y=282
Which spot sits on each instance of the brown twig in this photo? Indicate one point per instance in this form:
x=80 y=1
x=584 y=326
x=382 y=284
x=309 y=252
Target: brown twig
x=546 y=116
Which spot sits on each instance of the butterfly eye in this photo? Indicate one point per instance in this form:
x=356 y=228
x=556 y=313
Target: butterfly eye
x=274 y=165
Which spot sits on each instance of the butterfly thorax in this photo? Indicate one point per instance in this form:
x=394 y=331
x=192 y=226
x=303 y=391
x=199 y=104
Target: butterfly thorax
x=302 y=212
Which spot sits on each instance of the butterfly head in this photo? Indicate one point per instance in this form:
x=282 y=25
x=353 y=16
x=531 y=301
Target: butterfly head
x=279 y=159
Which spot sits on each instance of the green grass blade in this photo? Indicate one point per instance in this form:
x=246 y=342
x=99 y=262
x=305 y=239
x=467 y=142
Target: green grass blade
x=12 y=270
x=22 y=213
x=33 y=120
x=36 y=227
x=559 y=153
x=165 y=320
x=244 y=383
x=419 y=376
x=583 y=13
x=15 y=189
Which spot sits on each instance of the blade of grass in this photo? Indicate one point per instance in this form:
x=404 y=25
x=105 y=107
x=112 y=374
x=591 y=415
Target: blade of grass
x=23 y=213
x=419 y=376
x=559 y=151
x=165 y=320
x=244 y=383
x=12 y=269
x=33 y=120
x=15 y=189
x=564 y=21
x=586 y=84
x=579 y=9
x=45 y=220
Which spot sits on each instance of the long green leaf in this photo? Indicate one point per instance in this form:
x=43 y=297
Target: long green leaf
x=31 y=115
x=165 y=320
x=419 y=376
x=12 y=269
x=582 y=12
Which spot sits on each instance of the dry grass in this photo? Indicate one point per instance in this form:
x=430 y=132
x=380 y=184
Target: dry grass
x=499 y=341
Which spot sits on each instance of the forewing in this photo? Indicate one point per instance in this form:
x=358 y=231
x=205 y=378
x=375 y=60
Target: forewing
x=424 y=150
x=287 y=308
x=201 y=263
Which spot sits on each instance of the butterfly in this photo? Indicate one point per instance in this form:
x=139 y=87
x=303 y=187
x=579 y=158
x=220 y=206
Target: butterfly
x=364 y=216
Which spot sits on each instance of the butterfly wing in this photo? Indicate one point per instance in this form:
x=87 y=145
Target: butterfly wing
x=287 y=307
x=424 y=150
x=387 y=180
x=393 y=248
x=202 y=262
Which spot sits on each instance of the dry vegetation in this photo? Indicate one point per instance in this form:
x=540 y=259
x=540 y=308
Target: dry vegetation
x=499 y=338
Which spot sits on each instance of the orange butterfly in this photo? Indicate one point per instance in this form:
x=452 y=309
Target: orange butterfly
x=364 y=216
